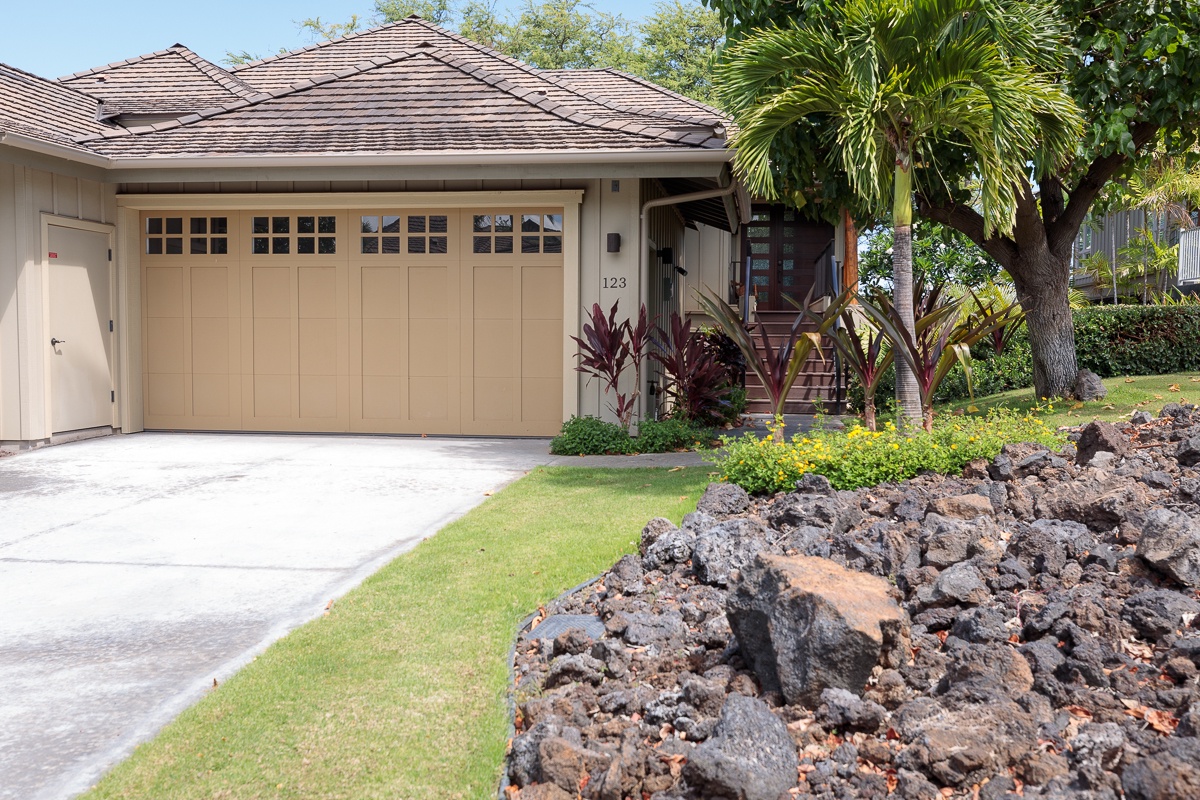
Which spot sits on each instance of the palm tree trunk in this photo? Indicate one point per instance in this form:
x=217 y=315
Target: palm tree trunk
x=908 y=396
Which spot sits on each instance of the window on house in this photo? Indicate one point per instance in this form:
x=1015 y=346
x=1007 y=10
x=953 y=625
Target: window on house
x=195 y=236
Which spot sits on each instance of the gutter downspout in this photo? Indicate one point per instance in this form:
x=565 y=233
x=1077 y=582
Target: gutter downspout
x=644 y=244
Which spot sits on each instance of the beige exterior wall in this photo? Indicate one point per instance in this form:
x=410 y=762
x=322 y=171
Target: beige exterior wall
x=707 y=256
x=26 y=194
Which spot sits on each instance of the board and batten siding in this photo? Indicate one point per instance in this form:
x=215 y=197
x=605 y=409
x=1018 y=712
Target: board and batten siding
x=26 y=193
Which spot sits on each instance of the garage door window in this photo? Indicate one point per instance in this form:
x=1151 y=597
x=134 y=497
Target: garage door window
x=539 y=233
x=197 y=236
x=303 y=235
x=416 y=234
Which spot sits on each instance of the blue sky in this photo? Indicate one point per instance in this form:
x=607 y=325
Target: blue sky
x=71 y=35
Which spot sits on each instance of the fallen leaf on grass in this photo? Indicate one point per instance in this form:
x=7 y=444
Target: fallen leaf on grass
x=1158 y=397
x=973 y=409
x=1076 y=406
x=1110 y=407
x=674 y=469
x=1174 y=387
x=1129 y=380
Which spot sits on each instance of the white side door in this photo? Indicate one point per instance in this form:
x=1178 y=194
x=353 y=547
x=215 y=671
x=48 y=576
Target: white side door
x=80 y=342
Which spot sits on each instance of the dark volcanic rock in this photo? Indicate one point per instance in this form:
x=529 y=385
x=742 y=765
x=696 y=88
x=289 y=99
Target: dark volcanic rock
x=726 y=547
x=807 y=624
x=1100 y=436
x=749 y=756
x=1088 y=386
x=1157 y=612
x=1170 y=542
x=1171 y=774
x=723 y=500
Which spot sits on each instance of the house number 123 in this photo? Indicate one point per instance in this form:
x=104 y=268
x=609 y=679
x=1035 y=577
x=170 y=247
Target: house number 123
x=614 y=283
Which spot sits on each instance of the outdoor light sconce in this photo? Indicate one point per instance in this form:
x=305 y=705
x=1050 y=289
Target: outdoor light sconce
x=680 y=270
x=614 y=242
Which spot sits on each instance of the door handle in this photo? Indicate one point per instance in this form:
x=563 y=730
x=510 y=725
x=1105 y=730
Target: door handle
x=56 y=342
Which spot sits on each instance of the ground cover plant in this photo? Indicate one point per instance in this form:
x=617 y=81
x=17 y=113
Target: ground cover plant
x=399 y=691
x=858 y=457
x=592 y=436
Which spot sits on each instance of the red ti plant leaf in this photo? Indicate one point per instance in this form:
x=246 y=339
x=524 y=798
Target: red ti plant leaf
x=861 y=344
x=608 y=348
x=694 y=379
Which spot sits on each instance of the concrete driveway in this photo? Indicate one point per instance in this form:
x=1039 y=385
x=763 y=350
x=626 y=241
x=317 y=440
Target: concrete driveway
x=136 y=569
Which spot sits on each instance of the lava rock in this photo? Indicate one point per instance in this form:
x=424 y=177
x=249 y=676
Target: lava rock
x=726 y=547
x=1088 y=386
x=964 y=506
x=1170 y=774
x=1157 y=612
x=1188 y=452
x=723 y=500
x=672 y=547
x=749 y=756
x=807 y=624
x=845 y=711
x=1097 y=437
x=580 y=668
x=1170 y=542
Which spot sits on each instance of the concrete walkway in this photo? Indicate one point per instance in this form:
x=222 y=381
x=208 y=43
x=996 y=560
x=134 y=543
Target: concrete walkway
x=135 y=570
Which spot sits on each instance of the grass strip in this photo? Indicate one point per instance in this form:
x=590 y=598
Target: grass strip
x=399 y=691
x=1125 y=395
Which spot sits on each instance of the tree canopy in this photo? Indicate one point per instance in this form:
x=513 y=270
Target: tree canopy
x=1133 y=68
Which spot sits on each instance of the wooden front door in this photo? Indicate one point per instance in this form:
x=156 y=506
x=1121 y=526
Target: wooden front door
x=784 y=251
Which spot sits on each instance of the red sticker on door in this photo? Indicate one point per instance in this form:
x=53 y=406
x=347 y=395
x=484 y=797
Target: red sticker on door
x=54 y=255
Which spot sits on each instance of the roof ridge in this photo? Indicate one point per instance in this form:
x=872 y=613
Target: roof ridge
x=255 y=99
x=122 y=63
x=718 y=118
x=317 y=45
x=577 y=116
x=472 y=70
x=224 y=77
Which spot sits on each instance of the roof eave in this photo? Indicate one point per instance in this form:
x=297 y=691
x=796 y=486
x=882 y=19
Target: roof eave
x=50 y=149
x=430 y=158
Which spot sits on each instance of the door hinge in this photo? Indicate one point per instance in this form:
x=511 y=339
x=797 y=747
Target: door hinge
x=112 y=396
x=110 y=254
x=110 y=326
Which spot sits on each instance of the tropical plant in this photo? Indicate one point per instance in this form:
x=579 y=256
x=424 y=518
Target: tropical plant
x=862 y=345
x=1146 y=265
x=780 y=364
x=608 y=348
x=695 y=381
x=891 y=79
x=941 y=339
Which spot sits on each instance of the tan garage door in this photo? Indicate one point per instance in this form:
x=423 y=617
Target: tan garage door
x=373 y=320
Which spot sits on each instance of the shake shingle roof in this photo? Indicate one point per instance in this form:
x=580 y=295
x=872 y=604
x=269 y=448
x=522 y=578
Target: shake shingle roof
x=45 y=110
x=612 y=85
x=427 y=101
x=174 y=80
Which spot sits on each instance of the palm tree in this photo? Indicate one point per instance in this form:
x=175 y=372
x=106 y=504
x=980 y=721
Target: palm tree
x=896 y=83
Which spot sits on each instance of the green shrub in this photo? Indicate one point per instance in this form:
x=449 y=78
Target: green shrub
x=856 y=457
x=590 y=436
x=1138 y=340
x=661 y=436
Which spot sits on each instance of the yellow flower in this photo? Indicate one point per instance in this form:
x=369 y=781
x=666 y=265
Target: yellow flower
x=952 y=447
x=895 y=446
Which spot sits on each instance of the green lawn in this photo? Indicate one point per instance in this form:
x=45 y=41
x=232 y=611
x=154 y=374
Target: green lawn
x=1125 y=395
x=399 y=691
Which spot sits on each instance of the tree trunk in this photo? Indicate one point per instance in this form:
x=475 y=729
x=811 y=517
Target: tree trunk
x=1042 y=281
x=908 y=396
x=869 y=411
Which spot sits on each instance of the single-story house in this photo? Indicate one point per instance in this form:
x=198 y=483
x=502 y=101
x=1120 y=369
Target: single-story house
x=396 y=231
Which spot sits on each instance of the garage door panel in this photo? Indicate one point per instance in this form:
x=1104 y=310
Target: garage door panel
x=381 y=397
x=272 y=346
x=164 y=292
x=430 y=399
x=493 y=293
x=429 y=353
x=382 y=296
x=494 y=356
x=210 y=346
x=210 y=292
x=213 y=395
x=272 y=288
x=382 y=347
x=542 y=349
x=318 y=346
x=541 y=293
x=272 y=396
x=164 y=345
x=495 y=399
x=317 y=289
x=166 y=396
x=318 y=397
x=429 y=292
x=539 y=401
